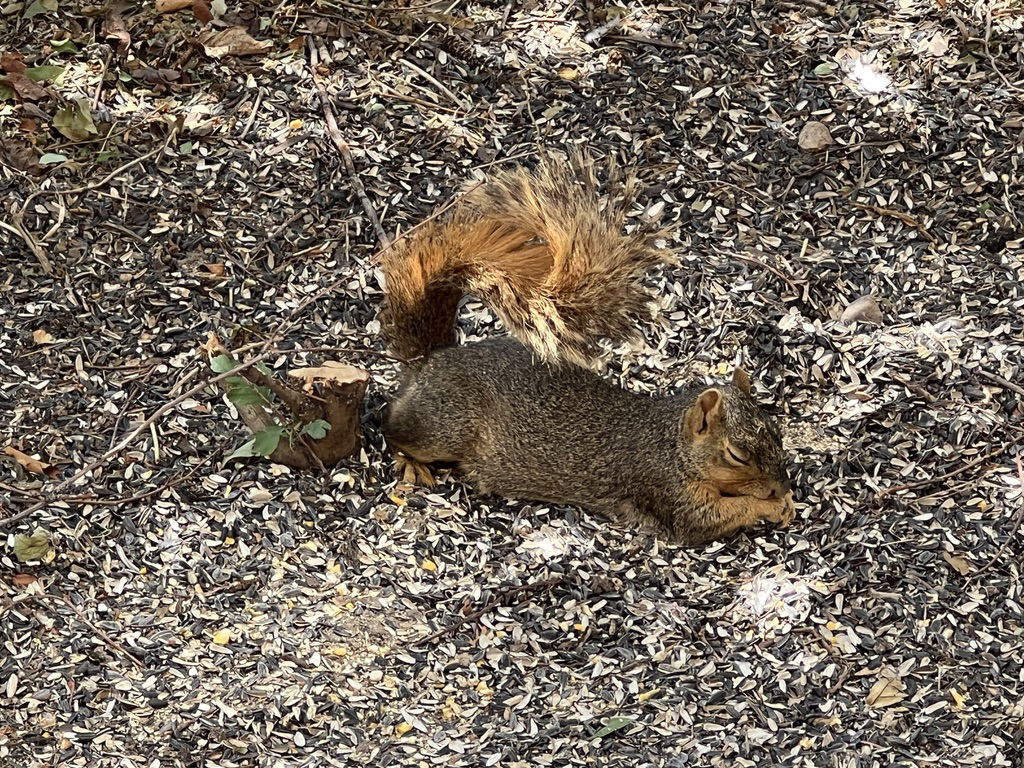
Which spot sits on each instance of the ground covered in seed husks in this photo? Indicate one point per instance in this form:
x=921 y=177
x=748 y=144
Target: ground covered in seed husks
x=171 y=173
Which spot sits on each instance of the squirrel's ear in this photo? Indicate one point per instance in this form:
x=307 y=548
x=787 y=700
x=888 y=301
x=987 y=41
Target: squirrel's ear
x=741 y=381
x=706 y=412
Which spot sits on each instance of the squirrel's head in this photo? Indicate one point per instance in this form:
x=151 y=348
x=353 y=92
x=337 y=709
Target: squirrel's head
x=734 y=446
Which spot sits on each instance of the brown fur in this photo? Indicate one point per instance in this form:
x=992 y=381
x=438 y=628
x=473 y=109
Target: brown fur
x=518 y=427
x=536 y=248
x=528 y=421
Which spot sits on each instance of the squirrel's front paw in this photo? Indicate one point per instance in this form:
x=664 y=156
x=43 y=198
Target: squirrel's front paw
x=412 y=471
x=782 y=510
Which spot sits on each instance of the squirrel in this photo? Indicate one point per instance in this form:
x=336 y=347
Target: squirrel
x=526 y=417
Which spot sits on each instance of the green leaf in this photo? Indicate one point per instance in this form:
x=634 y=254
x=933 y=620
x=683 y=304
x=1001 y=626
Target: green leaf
x=107 y=154
x=265 y=441
x=222 y=364
x=45 y=74
x=75 y=121
x=823 y=70
x=6 y=92
x=244 y=451
x=241 y=392
x=37 y=7
x=51 y=158
x=185 y=147
x=64 y=46
x=317 y=429
x=34 y=547
x=612 y=725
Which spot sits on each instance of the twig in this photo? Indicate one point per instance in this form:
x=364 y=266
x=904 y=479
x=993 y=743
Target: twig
x=965 y=468
x=18 y=225
x=343 y=147
x=252 y=114
x=988 y=53
x=111 y=643
x=99 y=86
x=24 y=234
x=906 y=218
x=378 y=8
x=114 y=645
x=342 y=350
x=1013 y=526
x=769 y=267
x=393 y=94
x=444 y=88
x=166 y=485
x=18 y=491
x=505 y=15
x=647 y=41
x=495 y=603
x=95 y=184
x=130 y=438
x=1001 y=381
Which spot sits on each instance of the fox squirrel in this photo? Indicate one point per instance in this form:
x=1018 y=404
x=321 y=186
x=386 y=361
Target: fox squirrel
x=524 y=417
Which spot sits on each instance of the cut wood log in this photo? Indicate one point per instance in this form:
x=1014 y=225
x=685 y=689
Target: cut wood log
x=309 y=421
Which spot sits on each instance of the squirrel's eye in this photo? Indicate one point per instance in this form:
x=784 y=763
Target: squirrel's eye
x=735 y=457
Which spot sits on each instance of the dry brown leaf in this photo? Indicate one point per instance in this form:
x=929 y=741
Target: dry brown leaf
x=23 y=579
x=31 y=465
x=233 y=41
x=41 y=336
x=12 y=63
x=216 y=268
x=156 y=76
x=957 y=563
x=24 y=87
x=20 y=155
x=329 y=371
x=115 y=32
x=169 y=6
x=202 y=11
x=887 y=690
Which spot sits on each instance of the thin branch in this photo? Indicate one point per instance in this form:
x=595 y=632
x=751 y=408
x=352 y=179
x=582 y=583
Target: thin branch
x=988 y=53
x=965 y=468
x=1001 y=381
x=130 y=438
x=1013 y=526
x=343 y=147
x=769 y=267
x=18 y=225
x=444 y=88
x=497 y=602
x=652 y=41
x=906 y=218
x=24 y=234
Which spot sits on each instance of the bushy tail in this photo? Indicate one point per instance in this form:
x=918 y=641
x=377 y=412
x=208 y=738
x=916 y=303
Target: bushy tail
x=539 y=250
